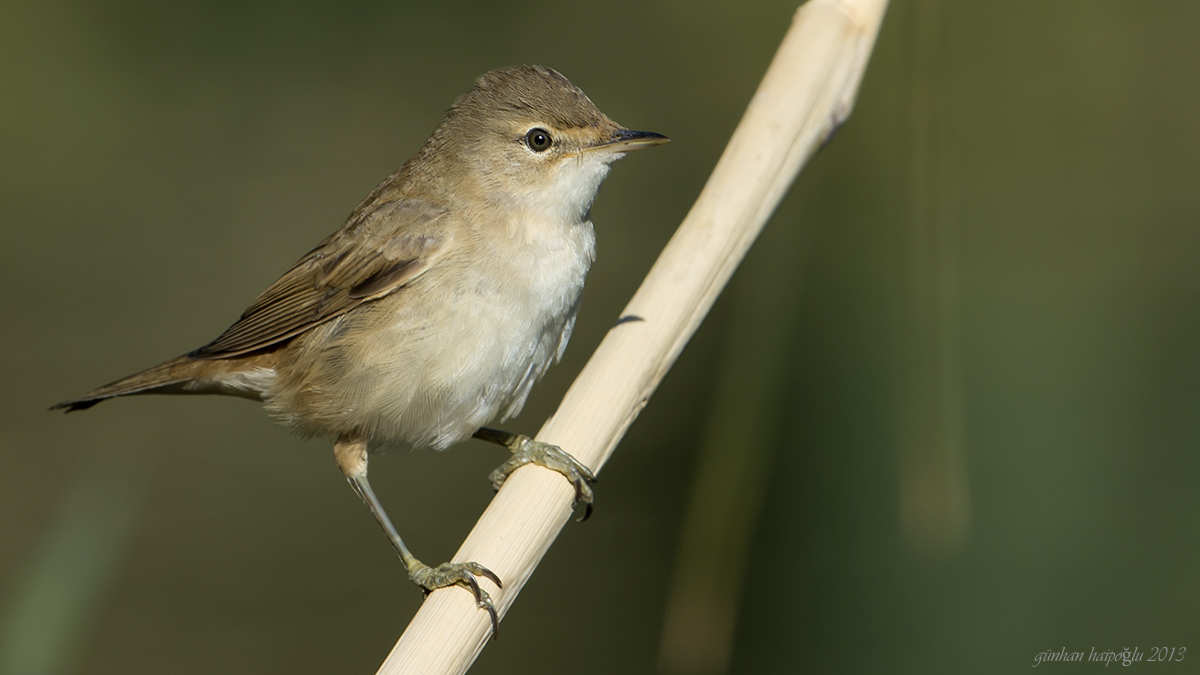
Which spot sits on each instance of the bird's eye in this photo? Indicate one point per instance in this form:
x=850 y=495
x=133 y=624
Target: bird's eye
x=538 y=139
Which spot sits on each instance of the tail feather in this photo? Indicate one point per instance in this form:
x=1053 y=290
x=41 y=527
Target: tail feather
x=165 y=378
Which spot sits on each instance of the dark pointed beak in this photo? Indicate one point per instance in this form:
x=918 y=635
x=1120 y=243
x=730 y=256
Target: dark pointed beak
x=625 y=140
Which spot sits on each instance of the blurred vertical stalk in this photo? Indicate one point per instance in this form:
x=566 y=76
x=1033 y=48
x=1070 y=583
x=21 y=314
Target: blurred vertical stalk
x=933 y=490
x=54 y=603
x=735 y=459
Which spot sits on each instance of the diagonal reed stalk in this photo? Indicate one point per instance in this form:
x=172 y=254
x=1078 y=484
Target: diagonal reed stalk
x=807 y=92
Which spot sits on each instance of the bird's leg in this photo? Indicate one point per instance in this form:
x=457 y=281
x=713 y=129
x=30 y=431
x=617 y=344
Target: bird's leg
x=351 y=457
x=525 y=450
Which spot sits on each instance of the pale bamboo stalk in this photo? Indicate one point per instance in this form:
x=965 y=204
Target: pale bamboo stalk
x=807 y=92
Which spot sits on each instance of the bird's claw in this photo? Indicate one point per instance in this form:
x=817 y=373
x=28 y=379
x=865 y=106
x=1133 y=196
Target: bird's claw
x=528 y=451
x=459 y=574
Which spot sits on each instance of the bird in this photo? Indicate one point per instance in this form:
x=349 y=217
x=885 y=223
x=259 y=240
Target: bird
x=434 y=309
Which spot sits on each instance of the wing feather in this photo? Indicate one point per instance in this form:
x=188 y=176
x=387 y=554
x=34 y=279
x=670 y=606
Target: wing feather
x=378 y=251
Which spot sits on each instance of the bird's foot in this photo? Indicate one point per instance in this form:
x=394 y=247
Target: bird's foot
x=528 y=451
x=458 y=574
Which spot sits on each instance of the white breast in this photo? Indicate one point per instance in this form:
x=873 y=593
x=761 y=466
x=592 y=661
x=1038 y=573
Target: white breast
x=465 y=343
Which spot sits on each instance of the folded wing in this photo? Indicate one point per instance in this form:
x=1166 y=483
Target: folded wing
x=377 y=252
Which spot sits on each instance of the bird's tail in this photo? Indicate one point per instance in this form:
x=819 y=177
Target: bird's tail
x=166 y=378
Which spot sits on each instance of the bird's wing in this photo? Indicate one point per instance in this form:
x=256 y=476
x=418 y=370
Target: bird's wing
x=379 y=250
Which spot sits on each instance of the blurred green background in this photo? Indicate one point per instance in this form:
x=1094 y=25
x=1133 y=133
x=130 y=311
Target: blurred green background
x=945 y=417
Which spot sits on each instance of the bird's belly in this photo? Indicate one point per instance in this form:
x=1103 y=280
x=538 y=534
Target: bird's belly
x=431 y=364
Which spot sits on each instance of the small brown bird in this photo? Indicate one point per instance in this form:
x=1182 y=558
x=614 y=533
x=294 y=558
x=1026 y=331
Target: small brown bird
x=443 y=298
